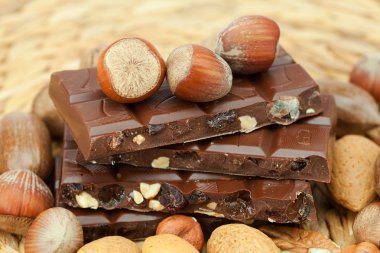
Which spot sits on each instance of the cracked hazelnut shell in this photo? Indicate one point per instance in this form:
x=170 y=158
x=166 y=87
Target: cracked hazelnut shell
x=197 y=74
x=130 y=70
x=249 y=44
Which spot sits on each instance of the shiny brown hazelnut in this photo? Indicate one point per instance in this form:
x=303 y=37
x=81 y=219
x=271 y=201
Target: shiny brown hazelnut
x=197 y=74
x=183 y=226
x=23 y=196
x=366 y=73
x=249 y=44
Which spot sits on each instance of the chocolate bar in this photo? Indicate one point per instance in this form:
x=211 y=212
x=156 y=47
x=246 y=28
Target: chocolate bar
x=102 y=127
x=147 y=190
x=299 y=151
x=133 y=225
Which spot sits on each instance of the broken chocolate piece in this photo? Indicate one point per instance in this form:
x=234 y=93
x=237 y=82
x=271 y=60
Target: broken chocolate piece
x=233 y=197
x=102 y=127
x=299 y=151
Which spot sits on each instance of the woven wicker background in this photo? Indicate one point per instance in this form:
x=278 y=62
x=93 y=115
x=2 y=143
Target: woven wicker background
x=38 y=37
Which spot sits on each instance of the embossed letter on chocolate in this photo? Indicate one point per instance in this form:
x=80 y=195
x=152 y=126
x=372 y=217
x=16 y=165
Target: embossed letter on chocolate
x=102 y=127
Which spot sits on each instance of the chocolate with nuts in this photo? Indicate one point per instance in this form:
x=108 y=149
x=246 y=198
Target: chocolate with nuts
x=133 y=225
x=299 y=151
x=145 y=189
x=101 y=127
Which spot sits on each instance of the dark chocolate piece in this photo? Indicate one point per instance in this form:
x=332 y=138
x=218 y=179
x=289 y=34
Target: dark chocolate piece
x=299 y=151
x=232 y=197
x=102 y=127
x=133 y=225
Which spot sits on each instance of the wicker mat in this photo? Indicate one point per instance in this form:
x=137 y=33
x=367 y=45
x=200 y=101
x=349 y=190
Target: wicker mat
x=38 y=37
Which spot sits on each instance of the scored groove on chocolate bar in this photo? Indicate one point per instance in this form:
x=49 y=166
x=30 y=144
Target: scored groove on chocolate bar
x=102 y=127
x=236 y=198
x=299 y=151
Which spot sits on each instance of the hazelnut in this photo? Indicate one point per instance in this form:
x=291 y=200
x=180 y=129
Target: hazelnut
x=155 y=205
x=249 y=44
x=114 y=244
x=197 y=74
x=247 y=124
x=149 y=191
x=212 y=205
x=366 y=74
x=138 y=139
x=137 y=197
x=285 y=110
x=183 y=226
x=366 y=226
x=54 y=230
x=209 y=213
x=167 y=243
x=161 y=163
x=44 y=108
x=23 y=196
x=25 y=144
x=130 y=70
x=85 y=200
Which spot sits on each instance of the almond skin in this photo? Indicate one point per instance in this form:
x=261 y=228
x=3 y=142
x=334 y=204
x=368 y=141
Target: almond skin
x=130 y=70
x=353 y=173
x=240 y=238
x=197 y=74
x=249 y=44
x=366 y=226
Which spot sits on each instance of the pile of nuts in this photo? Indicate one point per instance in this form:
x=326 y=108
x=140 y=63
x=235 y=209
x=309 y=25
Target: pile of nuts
x=131 y=69
x=348 y=208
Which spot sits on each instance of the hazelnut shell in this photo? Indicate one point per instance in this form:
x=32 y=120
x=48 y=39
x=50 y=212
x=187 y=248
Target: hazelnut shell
x=197 y=74
x=133 y=75
x=249 y=44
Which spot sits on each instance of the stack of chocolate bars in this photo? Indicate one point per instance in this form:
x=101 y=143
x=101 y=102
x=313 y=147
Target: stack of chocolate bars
x=248 y=156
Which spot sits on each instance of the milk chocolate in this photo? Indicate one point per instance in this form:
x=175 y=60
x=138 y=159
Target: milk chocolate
x=233 y=197
x=133 y=225
x=102 y=127
x=298 y=151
